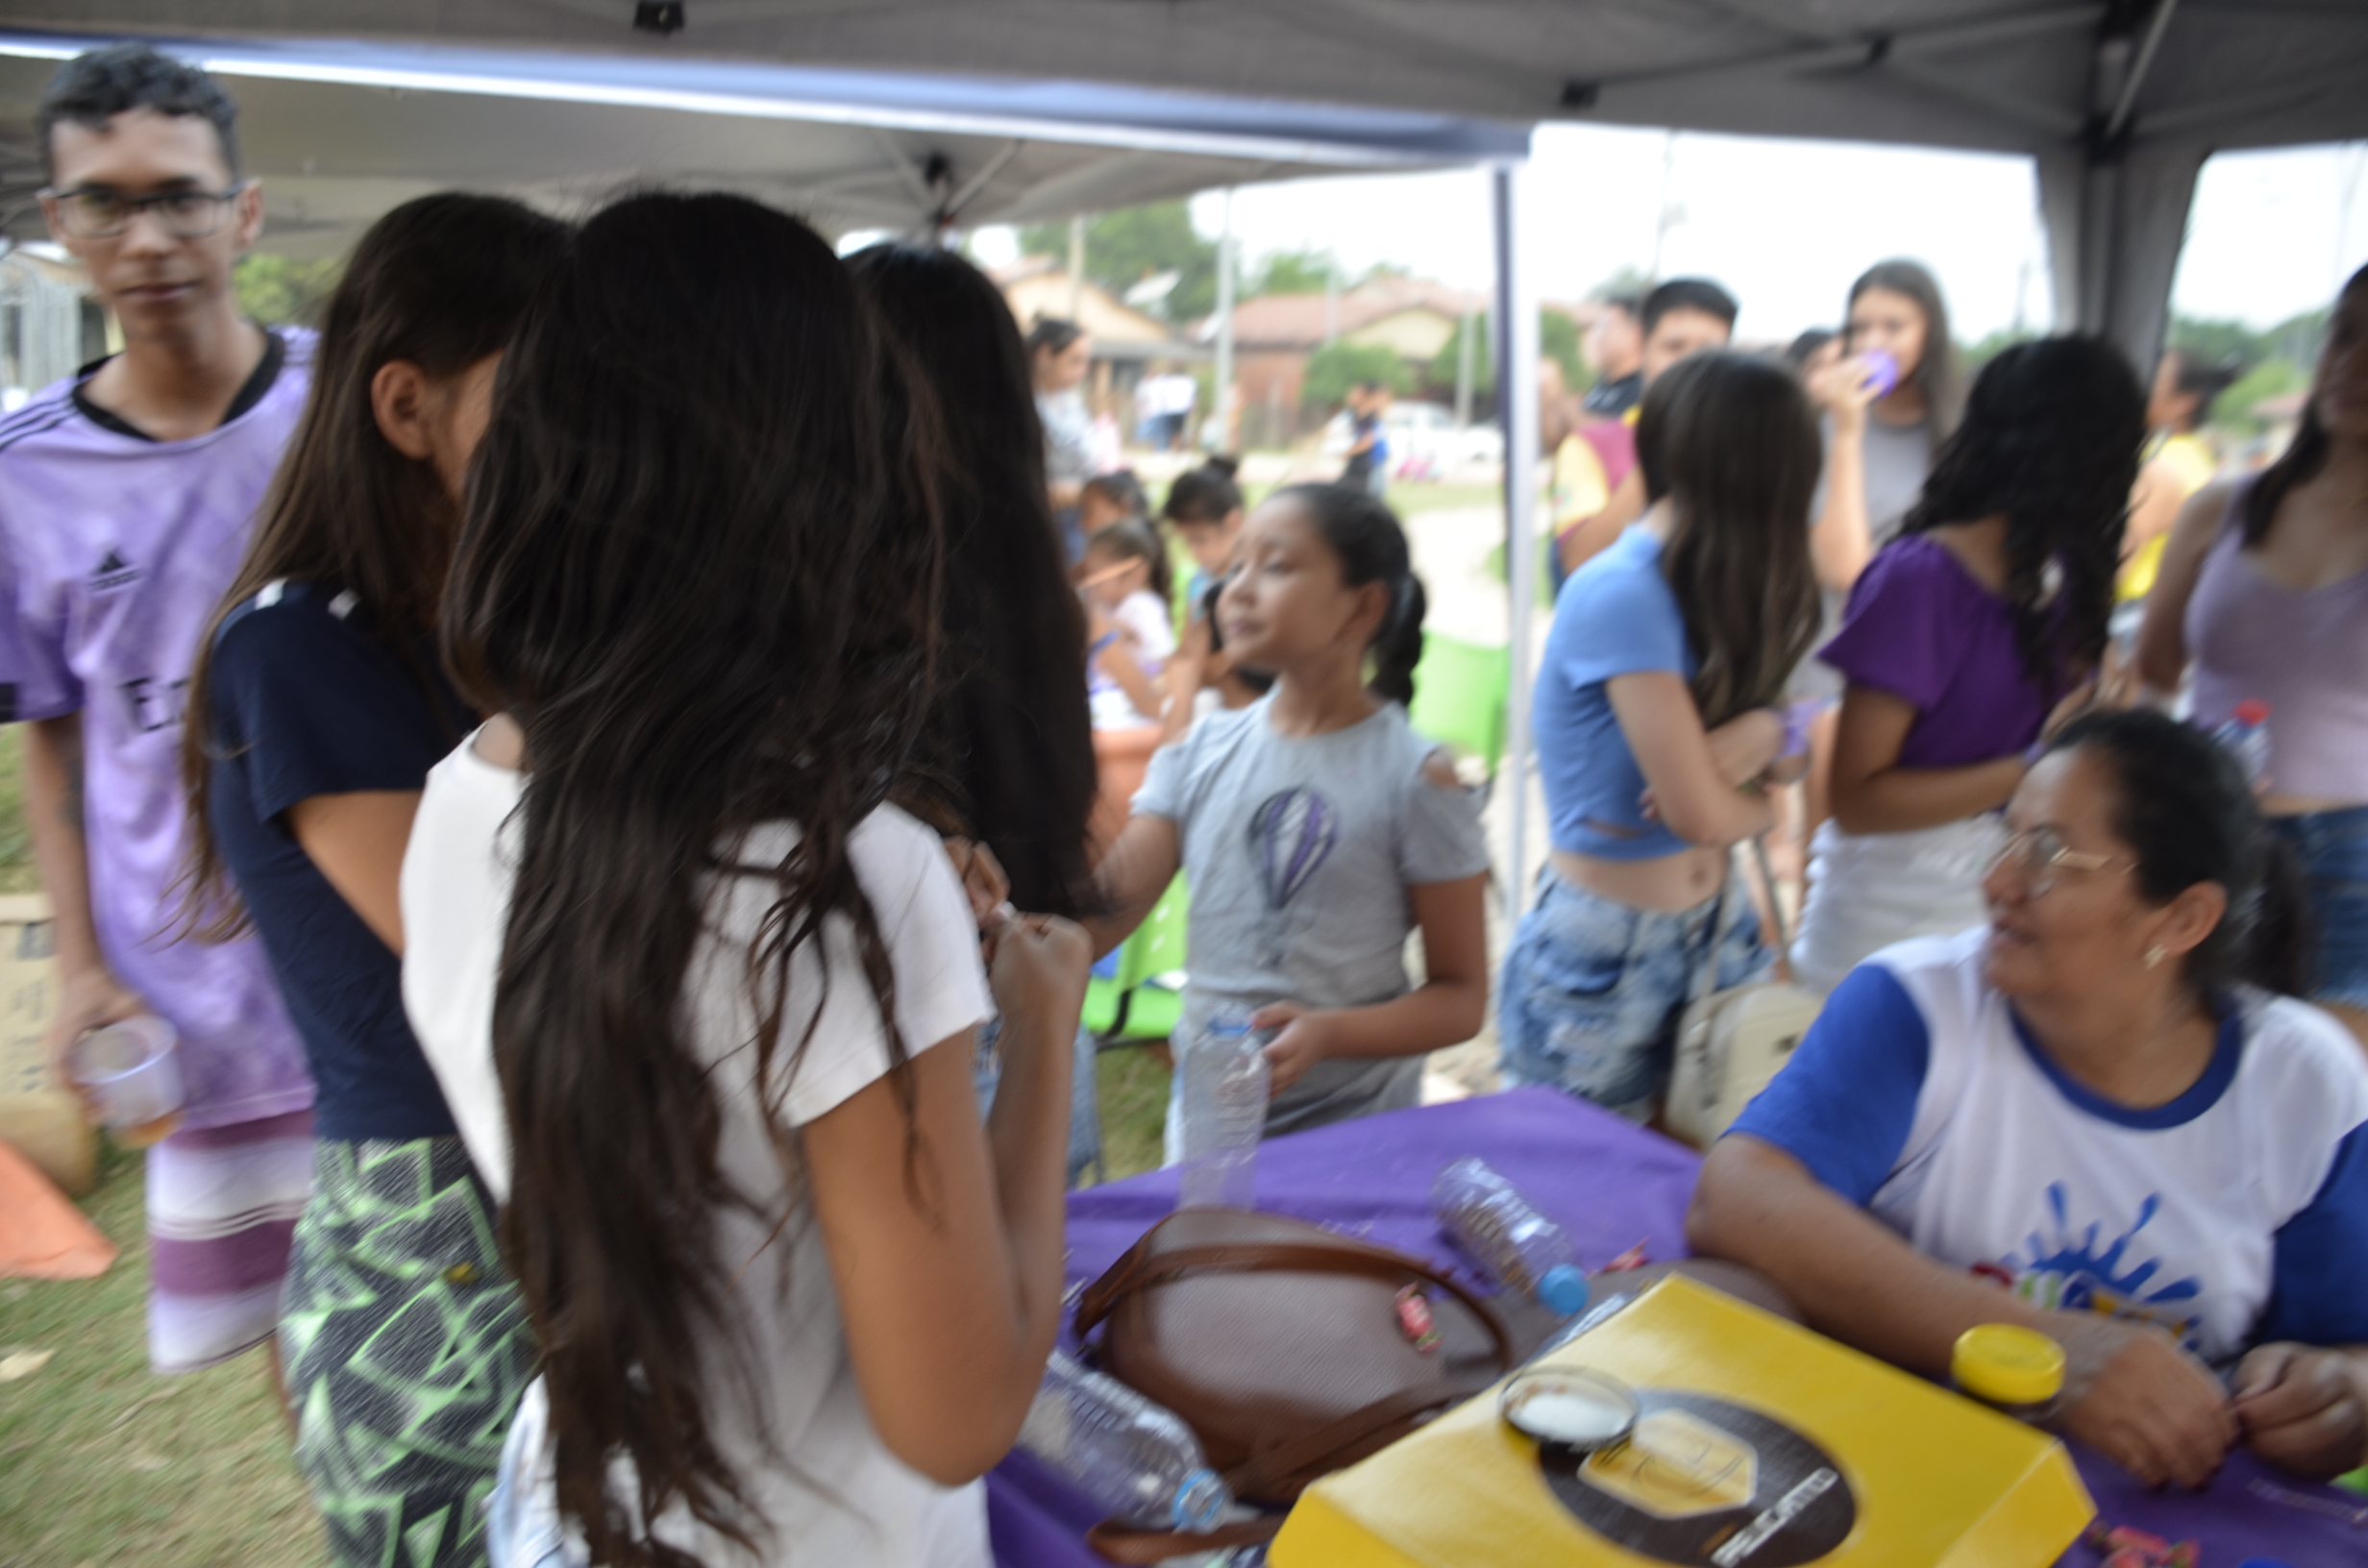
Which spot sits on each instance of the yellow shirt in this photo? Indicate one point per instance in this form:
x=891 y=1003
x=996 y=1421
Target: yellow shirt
x=2187 y=464
x=1581 y=488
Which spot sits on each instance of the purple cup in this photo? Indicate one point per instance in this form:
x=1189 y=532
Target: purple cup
x=1882 y=371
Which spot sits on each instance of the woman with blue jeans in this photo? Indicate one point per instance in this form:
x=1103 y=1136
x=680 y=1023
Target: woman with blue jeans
x=1657 y=730
x=2264 y=588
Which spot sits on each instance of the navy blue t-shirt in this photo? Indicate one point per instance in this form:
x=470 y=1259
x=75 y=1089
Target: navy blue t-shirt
x=305 y=703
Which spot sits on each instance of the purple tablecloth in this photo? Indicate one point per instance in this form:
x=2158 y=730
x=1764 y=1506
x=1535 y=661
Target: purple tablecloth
x=1612 y=1186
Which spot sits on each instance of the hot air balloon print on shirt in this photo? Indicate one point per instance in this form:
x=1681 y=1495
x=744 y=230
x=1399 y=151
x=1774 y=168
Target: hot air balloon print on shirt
x=1291 y=836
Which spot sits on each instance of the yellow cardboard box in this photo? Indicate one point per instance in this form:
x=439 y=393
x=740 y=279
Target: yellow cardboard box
x=1763 y=1445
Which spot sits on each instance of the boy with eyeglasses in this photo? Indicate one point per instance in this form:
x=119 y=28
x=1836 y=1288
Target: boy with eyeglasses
x=125 y=499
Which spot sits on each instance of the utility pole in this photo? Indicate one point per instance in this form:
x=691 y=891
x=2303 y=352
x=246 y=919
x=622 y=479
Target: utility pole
x=1077 y=265
x=1222 y=395
x=1669 y=216
x=1466 y=337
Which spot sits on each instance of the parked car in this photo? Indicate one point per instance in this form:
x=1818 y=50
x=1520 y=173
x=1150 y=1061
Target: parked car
x=1424 y=441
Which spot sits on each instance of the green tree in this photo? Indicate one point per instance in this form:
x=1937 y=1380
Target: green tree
x=2237 y=408
x=1295 y=272
x=1335 y=367
x=273 y=289
x=1558 y=343
x=1625 y=283
x=1125 y=247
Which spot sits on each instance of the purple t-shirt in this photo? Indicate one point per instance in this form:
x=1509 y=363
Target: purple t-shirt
x=1921 y=629
x=114 y=554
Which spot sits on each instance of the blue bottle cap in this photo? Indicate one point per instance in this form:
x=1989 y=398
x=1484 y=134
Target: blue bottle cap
x=1201 y=1500
x=1564 y=1289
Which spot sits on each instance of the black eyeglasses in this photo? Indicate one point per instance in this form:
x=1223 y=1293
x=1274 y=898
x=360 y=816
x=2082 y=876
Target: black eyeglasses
x=96 y=214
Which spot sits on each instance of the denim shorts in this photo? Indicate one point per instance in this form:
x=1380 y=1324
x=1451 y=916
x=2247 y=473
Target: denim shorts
x=2332 y=848
x=1594 y=991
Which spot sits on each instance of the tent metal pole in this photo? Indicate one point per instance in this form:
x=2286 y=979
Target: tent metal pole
x=1516 y=413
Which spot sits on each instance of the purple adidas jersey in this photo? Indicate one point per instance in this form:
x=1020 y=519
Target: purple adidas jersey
x=114 y=552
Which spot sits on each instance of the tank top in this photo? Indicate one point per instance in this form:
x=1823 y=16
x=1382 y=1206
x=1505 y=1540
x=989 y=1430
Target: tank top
x=2304 y=651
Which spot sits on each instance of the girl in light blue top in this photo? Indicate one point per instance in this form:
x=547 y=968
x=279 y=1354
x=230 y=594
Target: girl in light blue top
x=1656 y=731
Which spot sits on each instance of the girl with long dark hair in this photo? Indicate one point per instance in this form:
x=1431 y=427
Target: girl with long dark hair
x=317 y=708
x=1011 y=737
x=2264 y=587
x=1656 y=731
x=1317 y=829
x=704 y=1000
x=1967 y=639
x=1009 y=741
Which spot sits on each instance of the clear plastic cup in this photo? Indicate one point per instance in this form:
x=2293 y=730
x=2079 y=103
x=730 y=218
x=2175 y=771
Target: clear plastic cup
x=130 y=1071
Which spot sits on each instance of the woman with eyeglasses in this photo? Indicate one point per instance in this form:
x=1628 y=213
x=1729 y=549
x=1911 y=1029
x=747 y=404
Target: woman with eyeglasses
x=2102 y=1115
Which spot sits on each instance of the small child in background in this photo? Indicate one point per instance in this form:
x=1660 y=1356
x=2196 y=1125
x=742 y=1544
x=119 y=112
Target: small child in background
x=1127 y=583
x=1204 y=507
x=1116 y=497
x=1318 y=828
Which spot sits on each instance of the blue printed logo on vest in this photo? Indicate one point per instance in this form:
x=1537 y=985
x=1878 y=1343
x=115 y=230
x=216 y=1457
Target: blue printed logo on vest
x=2075 y=1274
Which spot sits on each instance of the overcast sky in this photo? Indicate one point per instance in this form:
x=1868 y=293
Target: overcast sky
x=1786 y=225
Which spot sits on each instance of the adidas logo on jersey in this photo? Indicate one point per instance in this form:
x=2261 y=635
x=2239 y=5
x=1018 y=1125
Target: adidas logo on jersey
x=112 y=572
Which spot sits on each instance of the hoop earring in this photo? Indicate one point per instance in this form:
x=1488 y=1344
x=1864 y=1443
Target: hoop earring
x=2154 y=956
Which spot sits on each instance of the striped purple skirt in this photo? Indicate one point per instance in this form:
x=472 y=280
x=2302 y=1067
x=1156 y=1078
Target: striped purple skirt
x=223 y=1204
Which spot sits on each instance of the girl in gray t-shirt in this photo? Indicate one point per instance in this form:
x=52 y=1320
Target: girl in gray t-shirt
x=1316 y=828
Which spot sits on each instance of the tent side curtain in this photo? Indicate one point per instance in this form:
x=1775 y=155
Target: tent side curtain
x=2114 y=231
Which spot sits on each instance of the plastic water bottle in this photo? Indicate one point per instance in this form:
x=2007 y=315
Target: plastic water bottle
x=2246 y=735
x=1134 y=1459
x=1486 y=1215
x=1226 y=1081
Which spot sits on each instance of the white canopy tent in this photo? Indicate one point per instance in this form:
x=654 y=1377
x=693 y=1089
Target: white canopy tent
x=2118 y=102
x=341 y=131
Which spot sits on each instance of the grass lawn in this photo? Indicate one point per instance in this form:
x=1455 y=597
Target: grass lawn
x=103 y=1462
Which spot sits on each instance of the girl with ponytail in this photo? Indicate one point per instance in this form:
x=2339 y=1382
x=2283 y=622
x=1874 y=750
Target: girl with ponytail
x=1316 y=827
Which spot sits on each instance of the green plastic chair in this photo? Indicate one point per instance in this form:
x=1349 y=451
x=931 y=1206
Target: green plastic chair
x=1461 y=692
x=1150 y=1000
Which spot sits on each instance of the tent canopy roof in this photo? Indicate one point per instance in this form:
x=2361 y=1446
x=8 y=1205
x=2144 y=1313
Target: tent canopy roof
x=2006 y=75
x=340 y=131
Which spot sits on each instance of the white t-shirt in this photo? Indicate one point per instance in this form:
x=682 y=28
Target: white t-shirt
x=833 y=1492
x=2236 y=1214
x=1143 y=619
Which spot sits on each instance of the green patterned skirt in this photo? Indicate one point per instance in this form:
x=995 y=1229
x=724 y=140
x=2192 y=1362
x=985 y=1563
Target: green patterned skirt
x=405 y=1349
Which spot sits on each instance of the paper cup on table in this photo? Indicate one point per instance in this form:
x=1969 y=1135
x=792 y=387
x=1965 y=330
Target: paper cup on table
x=132 y=1072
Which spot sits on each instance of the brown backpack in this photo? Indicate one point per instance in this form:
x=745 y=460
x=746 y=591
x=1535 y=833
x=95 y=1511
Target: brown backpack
x=1281 y=1345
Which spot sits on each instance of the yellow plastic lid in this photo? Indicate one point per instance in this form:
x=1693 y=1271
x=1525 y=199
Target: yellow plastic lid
x=2006 y=1365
